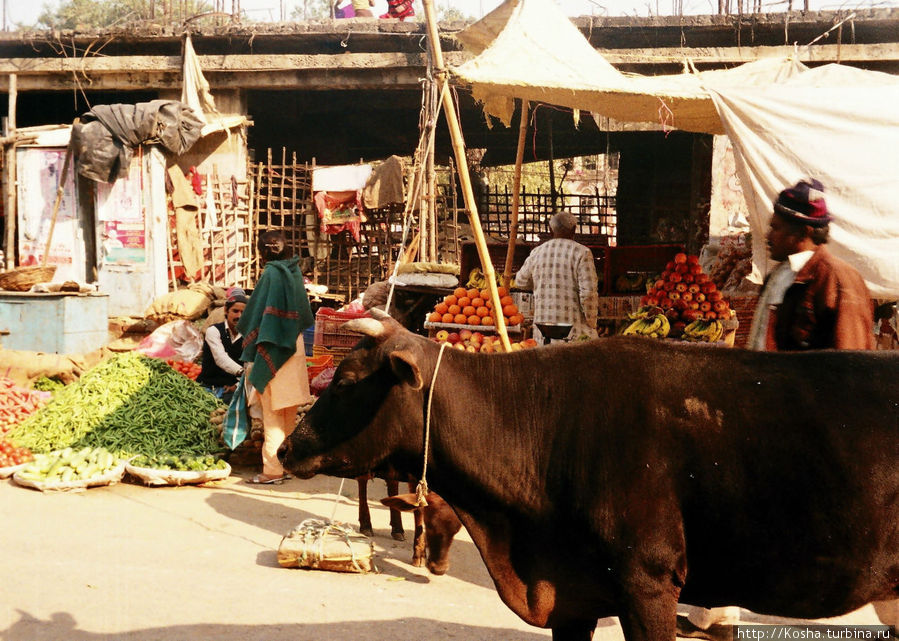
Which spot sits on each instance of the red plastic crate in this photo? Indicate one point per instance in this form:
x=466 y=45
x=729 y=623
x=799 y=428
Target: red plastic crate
x=329 y=330
x=315 y=365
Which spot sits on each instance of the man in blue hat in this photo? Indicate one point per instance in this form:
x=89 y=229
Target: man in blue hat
x=812 y=300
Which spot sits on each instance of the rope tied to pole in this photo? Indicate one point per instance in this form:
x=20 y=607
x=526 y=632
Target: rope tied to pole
x=421 y=490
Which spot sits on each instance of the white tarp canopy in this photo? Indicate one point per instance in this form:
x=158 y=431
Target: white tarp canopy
x=786 y=122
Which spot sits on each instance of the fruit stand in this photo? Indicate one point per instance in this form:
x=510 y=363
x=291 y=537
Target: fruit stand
x=684 y=303
x=466 y=320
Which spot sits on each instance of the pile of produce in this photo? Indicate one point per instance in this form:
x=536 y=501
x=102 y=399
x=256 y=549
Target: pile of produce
x=685 y=294
x=478 y=279
x=10 y=455
x=703 y=331
x=47 y=384
x=189 y=369
x=648 y=321
x=474 y=307
x=69 y=465
x=469 y=341
x=129 y=404
x=682 y=303
x=733 y=262
x=17 y=403
x=184 y=463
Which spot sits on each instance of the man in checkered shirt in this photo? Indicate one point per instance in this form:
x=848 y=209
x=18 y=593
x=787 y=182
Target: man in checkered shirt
x=562 y=275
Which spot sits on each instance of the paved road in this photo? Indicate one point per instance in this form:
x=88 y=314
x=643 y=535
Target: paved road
x=132 y=563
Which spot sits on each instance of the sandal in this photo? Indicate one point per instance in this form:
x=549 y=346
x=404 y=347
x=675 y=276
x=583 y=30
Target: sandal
x=262 y=479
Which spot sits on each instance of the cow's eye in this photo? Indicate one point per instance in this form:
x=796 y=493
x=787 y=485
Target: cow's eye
x=345 y=382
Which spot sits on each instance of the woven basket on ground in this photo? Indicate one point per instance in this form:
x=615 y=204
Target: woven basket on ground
x=22 y=278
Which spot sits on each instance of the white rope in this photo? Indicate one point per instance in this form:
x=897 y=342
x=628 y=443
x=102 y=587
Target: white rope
x=337 y=500
x=422 y=489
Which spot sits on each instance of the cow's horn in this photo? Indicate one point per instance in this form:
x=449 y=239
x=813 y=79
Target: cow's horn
x=379 y=314
x=368 y=326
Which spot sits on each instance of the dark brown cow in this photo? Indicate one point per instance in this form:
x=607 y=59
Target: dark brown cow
x=616 y=476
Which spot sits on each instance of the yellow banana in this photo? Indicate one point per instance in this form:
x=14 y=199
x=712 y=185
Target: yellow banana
x=631 y=329
x=665 y=326
x=654 y=324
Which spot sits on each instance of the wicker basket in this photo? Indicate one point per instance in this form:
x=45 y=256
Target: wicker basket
x=21 y=279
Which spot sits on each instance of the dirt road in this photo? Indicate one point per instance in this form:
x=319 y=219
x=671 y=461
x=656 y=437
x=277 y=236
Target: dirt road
x=132 y=563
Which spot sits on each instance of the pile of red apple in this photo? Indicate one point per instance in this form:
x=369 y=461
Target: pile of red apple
x=469 y=341
x=685 y=294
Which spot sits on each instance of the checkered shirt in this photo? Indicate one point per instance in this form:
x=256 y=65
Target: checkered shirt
x=562 y=275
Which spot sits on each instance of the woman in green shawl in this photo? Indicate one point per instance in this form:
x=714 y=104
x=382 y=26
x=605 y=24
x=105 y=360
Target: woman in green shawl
x=272 y=325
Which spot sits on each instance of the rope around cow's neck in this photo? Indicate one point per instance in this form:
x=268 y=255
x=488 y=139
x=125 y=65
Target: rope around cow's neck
x=421 y=489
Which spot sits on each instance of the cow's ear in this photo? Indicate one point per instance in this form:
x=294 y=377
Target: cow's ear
x=405 y=366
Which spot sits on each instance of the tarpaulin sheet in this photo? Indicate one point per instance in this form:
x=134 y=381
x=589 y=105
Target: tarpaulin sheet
x=847 y=138
x=107 y=134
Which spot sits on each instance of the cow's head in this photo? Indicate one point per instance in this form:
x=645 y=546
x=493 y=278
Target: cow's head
x=371 y=413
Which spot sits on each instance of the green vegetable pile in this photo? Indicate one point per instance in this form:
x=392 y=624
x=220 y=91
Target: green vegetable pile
x=46 y=384
x=180 y=463
x=129 y=404
x=69 y=465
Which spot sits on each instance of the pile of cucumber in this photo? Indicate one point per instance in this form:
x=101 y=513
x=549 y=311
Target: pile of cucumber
x=183 y=463
x=69 y=465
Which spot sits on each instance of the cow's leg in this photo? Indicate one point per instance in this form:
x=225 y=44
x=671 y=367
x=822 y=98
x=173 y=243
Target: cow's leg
x=364 y=514
x=575 y=631
x=652 y=579
x=396 y=517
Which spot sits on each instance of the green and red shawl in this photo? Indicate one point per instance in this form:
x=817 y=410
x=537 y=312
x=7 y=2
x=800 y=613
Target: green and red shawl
x=277 y=312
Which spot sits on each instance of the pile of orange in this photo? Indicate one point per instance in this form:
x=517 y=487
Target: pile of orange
x=474 y=307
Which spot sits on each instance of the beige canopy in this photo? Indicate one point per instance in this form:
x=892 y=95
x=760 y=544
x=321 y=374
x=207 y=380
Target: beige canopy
x=528 y=49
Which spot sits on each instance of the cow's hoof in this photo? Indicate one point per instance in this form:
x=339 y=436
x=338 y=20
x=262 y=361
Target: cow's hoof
x=716 y=632
x=398 y=536
x=366 y=531
x=418 y=562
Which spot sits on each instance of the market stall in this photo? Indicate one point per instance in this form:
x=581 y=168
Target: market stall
x=786 y=121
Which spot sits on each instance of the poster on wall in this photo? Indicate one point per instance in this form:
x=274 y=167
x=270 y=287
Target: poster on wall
x=120 y=214
x=729 y=212
x=37 y=173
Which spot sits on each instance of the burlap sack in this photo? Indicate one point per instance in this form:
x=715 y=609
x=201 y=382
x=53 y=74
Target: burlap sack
x=23 y=367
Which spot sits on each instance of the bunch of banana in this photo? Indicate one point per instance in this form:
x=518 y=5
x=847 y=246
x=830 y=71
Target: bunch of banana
x=706 y=331
x=656 y=326
x=478 y=280
x=647 y=311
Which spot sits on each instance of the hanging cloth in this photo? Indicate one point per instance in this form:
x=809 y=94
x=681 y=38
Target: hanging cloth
x=339 y=211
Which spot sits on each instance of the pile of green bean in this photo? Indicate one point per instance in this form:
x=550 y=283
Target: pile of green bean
x=129 y=404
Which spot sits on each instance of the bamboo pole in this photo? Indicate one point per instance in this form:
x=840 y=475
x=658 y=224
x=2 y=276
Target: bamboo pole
x=60 y=189
x=432 y=203
x=464 y=177
x=516 y=194
x=10 y=175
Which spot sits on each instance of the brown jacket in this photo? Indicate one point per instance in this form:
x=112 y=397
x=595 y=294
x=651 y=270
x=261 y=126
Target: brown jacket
x=827 y=306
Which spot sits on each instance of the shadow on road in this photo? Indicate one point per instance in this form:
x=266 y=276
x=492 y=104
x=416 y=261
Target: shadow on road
x=286 y=512
x=62 y=626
